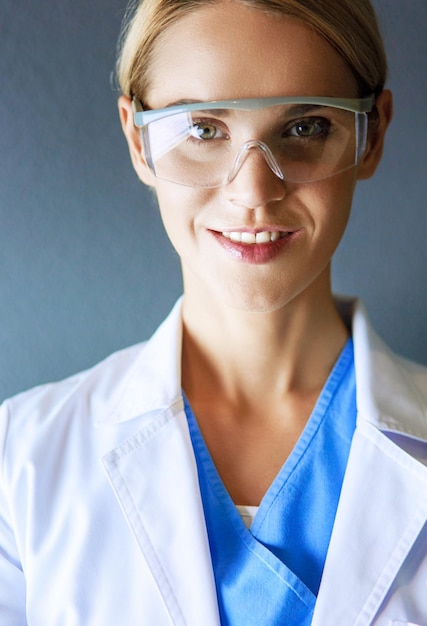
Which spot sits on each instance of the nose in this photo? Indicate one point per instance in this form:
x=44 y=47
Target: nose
x=250 y=182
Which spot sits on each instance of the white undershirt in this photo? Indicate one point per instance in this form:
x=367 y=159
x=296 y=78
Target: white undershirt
x=247 y=513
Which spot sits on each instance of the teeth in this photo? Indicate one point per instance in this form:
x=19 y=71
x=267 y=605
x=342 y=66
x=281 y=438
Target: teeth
x=264 y=237
x=235 y=236
x=251 y=238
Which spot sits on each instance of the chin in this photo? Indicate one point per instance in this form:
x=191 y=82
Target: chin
x=257 y=302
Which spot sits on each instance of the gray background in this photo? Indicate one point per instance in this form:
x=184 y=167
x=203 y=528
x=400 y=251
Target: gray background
x=85 y=266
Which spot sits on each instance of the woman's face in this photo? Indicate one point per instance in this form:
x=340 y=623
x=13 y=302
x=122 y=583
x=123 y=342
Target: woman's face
x=230 y=51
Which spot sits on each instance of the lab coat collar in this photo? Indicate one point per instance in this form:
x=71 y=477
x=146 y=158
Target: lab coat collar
x=387 y=397
x=154 y=380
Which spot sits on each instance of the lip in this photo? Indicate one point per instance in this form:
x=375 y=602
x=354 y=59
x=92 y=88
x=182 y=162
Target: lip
x=258 y=253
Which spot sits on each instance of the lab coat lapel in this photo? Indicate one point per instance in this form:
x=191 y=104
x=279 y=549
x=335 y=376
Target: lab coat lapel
x=154 y=477
x=383 y=508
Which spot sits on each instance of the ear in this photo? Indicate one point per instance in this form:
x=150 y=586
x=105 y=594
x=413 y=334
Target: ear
x=375 y=142
x=133 y=137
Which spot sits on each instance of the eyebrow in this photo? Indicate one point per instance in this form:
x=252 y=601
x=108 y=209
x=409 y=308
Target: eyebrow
x=302 y=109
x=177 y=103
x=217 y=112
x=291 y=110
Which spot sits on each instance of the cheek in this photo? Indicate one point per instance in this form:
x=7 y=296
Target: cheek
x=332 y=199
x=179 y=207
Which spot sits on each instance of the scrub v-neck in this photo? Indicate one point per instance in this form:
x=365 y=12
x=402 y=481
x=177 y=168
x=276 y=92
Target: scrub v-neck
x=271 y=572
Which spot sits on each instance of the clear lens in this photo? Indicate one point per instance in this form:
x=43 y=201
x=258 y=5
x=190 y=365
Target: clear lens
x=299 y=142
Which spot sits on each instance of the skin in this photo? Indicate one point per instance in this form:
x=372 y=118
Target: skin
x=259 y=339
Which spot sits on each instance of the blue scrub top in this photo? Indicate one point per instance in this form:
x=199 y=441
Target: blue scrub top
x=270 y=573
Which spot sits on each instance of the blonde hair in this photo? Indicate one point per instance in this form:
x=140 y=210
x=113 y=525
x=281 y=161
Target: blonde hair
x=351 y=26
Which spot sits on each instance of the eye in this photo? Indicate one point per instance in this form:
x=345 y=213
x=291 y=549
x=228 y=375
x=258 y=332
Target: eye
x=206 y=131
x=309 y=128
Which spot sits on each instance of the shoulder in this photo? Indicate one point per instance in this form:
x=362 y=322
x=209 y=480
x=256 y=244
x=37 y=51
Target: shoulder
x=111 y=369
x=125 y=384
x=40 y=412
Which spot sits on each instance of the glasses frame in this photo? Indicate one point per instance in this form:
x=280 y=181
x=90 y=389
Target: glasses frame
x=142 y=117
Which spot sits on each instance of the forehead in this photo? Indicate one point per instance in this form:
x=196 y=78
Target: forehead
x=229 y=50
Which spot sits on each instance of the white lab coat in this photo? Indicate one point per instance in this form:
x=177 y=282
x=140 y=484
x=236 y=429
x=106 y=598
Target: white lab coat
x=101 y=521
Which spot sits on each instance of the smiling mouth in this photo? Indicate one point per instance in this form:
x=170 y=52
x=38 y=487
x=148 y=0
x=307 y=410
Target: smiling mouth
x=265 y=236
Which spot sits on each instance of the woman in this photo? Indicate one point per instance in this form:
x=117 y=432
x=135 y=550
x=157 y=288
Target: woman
x=260 y=459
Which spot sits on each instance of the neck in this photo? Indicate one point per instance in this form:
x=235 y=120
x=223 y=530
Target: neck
x=247 y=358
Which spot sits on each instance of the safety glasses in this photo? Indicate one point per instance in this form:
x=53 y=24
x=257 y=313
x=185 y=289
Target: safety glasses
x=302 y=139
